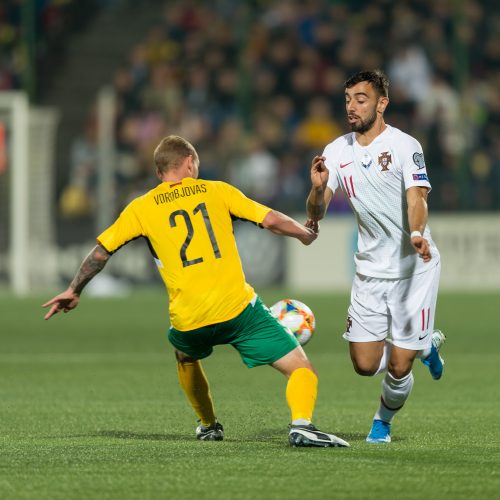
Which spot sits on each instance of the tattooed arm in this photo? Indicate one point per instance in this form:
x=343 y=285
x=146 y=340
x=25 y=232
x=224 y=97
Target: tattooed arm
x=93 y=264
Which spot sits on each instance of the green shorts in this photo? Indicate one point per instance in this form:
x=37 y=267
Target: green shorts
x=255 y=333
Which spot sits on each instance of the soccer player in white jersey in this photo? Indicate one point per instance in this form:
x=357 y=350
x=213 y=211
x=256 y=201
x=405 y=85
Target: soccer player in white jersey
x=382 y=172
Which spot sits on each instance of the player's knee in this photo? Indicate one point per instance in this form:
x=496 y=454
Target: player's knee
x=309 y=366
x=293 y=361
x=303 y=364
x=400 y=370
x=365 y=368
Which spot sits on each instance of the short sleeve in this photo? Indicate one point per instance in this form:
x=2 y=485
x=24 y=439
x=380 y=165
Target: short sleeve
x=242 y=207
x=126 y=228
x=413 y=164
x=329 y=154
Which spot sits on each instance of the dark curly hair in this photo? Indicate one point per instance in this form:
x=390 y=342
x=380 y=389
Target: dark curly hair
x=376 y=77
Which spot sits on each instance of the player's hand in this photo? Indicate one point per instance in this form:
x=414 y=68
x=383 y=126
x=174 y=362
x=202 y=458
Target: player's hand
x=421 y=246
x=308 y=236
x=312 y=224
x=319 y=172
x=65 y=301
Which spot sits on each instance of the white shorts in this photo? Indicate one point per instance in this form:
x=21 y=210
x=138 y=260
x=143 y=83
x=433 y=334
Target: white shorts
x=403 y=309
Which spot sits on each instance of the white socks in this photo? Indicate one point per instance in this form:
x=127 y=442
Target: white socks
x=395 y=391
x=394 y=394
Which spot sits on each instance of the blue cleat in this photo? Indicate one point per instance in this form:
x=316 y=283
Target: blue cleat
x=434 y=361
x=380 y=432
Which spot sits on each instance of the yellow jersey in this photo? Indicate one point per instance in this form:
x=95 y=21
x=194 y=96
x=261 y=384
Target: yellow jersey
x=189 y=227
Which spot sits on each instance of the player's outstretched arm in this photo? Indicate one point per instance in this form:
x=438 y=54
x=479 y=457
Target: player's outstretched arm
x=320 y=196
x=417 y=220
x=68 y=300
x=279 y=223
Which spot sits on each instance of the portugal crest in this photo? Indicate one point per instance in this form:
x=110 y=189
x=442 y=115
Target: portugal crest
x=384 y=160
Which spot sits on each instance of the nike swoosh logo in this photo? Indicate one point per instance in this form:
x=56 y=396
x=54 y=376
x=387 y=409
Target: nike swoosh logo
x=421 y=338
x=342 y=165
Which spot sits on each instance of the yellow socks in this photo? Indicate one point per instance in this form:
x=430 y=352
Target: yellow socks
x=195 y=385
x=301 y=392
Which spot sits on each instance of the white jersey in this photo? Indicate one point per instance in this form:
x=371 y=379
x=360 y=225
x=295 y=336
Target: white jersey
x=375 y=179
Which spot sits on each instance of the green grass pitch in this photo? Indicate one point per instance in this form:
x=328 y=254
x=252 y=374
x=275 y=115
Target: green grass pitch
x=90 y=408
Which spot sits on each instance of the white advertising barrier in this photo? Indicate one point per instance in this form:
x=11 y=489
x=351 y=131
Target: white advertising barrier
x=470 y=251
x=327 y=264
x=469 y=246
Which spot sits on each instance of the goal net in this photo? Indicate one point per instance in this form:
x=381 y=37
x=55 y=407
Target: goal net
x=27 y=236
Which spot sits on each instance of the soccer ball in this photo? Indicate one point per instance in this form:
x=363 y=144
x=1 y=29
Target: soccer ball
x=296 y=317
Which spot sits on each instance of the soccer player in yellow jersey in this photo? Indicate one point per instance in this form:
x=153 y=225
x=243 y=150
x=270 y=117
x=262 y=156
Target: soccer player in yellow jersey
x=188 y=224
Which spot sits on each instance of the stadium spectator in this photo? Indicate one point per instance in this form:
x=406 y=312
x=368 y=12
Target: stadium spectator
x=206 y=69
x=296 y=55
x=54 y=23
x=256 y=172
x=76 y=199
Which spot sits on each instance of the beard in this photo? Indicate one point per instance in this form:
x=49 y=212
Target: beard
x=363 y=126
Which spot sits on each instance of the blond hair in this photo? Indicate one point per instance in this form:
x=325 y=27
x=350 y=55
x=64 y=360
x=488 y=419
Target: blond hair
x=171 y=151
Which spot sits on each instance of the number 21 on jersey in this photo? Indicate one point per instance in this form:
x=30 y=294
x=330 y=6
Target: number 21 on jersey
x=201 y=208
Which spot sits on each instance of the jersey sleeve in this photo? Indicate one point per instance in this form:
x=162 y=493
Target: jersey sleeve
x=413 y=164
x=330 y=155
x=242 y=207
x=126 y=228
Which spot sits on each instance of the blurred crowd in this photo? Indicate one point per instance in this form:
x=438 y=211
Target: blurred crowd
x=257 y=87
x=47 y=25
